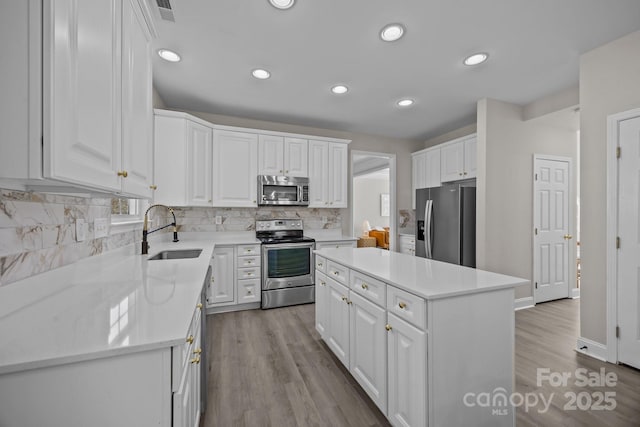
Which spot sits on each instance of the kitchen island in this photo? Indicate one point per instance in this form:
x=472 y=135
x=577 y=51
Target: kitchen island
x=112 y=339
x=431 y=343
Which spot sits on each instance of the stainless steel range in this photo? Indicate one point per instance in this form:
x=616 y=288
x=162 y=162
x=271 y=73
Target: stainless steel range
x=287 y=263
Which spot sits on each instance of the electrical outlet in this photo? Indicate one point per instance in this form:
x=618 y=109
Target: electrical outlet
x=324 y=219
x=101 y=227
x=218 y=219
x=81 y=230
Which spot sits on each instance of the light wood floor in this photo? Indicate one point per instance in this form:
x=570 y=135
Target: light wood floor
x=270 y=368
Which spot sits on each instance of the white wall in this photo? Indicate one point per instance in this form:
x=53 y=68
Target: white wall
x=366 y=202
x=609 y=84
x=506 y=145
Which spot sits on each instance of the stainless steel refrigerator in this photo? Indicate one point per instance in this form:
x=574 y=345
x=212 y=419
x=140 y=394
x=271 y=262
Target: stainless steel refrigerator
x=446 y=223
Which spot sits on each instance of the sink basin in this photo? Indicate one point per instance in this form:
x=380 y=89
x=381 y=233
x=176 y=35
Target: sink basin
x=177 y=254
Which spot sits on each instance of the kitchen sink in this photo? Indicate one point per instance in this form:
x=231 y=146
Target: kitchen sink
x=177 y=254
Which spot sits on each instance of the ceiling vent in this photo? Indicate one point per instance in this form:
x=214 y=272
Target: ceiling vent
x=166 y=12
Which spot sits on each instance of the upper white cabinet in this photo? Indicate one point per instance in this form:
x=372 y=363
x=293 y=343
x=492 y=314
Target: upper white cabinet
x=327 y=174
x=86 y=78
x=458 y=159
x=279 y=155
x=183 y=158
x=235 y=169
x=425 y=168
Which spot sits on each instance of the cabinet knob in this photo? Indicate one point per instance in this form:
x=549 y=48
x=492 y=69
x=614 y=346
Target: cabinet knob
x=464 y=173
x=286 y=171
x=123 y=174
x=190 y=339
x=344 y=298
x=388 y=327
x=254 y=201
x=199 y=305
x=460 y=173
x=335 y=273
x=364 y=286
x=153 y=187
x=349 y=302
x=210 y=201
x=402 y=305
x=249 y=293
x=320 y=264
x=322 y=283
x=195 y=360
x=197 y=351
x=280 y=170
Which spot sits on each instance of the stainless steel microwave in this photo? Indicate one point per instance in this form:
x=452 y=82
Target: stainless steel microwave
x=283 y=190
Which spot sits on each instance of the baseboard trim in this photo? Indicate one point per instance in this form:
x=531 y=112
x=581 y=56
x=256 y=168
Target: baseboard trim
x=522 y=303
x=592 y=349
x=233 y=307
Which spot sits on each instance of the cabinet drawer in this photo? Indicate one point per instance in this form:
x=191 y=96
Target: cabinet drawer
x=248 y=291
x=249 y=273
x=248 y=250
x=338 y=273
x=372 y=289
x=407 y=306
x=321 y=264
x=248 y=261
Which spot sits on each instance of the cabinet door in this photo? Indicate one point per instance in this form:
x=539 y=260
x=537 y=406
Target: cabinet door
x=368 y=348
x=432 y=169
x=451 y=162
x=199 y=158
x=336 y=244
x=270 y=155
x=222 y=286
x=407 y=357
x=235 y=168
x=337 y=337
x=337 y=175
x=322 y=292
x=418 y=174
x=318 y=174
x=470 y=157
x=82 y=99
x=137 y=115
x=296 y=157
x=407 y=245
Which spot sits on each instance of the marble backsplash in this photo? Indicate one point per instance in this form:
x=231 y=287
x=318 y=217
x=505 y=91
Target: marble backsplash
x=38 y=233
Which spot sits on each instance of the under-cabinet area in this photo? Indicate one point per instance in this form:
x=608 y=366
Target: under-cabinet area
x=394 y=322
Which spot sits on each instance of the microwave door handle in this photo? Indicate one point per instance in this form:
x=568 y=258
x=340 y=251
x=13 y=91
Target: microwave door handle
x=299 y=193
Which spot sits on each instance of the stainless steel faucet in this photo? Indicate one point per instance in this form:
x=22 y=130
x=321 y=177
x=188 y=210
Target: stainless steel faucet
x=145 y=232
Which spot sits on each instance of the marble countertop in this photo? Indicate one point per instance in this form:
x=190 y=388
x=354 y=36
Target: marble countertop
x=105 y=305
x=423 y=277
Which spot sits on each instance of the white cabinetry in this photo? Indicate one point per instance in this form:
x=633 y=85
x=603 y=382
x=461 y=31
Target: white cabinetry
x=183 y=158
x=337 y=331
x=322 y=295
x=425 y=168
x=407 y=244
x=327 y=174
x=88 y=128
x=235 y=169
x=222 y=286
x=336 y=244
x=235 y=278
x=458 y=159
x=278 y=155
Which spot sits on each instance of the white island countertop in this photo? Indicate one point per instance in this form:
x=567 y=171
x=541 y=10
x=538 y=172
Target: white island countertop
x=105 y=305
x=422 y=277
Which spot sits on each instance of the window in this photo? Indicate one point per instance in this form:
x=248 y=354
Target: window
x=126 y=210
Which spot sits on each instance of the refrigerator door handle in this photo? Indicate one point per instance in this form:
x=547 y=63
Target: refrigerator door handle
x=428 y=211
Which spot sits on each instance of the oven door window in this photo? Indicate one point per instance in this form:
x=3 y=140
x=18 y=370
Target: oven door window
x=273 y=193
x=288 y=262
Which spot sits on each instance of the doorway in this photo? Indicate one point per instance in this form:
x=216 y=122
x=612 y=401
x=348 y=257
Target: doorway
x=551 y=221
x=623 y=228
x=373 y=201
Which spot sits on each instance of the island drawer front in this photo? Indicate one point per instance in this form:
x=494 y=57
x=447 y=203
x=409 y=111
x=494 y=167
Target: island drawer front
x=248 y=291
x=249 y=273
x=407 y=306
x=248 y=261
x=372 y=289
x=183 y=354
x=248 y=250
x=338 y=272
x=321 y=264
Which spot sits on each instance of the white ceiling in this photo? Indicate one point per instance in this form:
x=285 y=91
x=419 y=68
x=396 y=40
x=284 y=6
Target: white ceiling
x=534 y=48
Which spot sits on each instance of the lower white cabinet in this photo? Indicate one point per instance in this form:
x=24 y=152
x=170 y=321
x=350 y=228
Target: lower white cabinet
x=407 y=244
x=407 y=355
x=187 y=377
x=235 y=278
x=322 y=295
x=337 y=331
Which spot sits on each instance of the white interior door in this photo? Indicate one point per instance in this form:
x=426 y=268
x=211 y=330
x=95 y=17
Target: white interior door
x=629 y=233
x=551 y=229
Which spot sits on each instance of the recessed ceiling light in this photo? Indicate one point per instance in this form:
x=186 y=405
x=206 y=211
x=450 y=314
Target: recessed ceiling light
x=339 y=89
x=392 y=32
x=476 y=58
x=281 y=4
x=261 y=74
x=169 y=55
x=405 y=102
